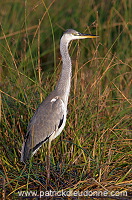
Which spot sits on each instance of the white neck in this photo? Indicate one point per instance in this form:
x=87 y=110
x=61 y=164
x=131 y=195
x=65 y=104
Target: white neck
x=64 y=83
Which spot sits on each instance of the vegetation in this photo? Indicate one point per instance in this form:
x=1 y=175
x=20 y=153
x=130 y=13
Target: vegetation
x=94 y=151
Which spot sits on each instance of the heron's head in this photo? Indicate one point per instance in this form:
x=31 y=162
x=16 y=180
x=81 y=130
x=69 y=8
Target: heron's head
x=71 y=34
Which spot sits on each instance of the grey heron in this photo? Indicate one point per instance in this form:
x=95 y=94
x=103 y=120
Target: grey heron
x=50 y=117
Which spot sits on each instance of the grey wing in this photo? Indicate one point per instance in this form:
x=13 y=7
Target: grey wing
x=47 y=120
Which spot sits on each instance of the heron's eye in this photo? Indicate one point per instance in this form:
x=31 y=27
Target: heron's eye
x=75 y=34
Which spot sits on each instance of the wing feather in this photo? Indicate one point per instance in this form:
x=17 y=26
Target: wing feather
x=46 y=121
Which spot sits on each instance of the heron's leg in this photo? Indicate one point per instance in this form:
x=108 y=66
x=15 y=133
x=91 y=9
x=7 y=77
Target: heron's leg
x=48 y=162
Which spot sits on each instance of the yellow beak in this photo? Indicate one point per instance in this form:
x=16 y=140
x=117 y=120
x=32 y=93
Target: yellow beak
x=83 y=36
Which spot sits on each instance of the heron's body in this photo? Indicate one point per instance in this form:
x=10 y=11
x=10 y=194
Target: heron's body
x=50 y=117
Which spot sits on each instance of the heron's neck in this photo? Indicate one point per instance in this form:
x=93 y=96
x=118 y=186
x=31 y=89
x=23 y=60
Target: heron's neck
x=64 y=83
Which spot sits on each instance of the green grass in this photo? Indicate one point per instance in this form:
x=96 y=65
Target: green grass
x=94 y=152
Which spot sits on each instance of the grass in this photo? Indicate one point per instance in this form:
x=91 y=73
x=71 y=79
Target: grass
x=94 y=151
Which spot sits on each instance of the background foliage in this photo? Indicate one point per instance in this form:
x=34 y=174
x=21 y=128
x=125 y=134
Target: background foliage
x=94 y=151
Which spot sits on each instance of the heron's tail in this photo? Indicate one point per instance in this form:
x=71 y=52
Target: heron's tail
x=25 y=153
